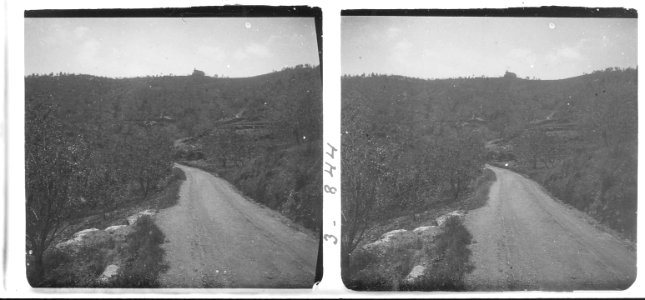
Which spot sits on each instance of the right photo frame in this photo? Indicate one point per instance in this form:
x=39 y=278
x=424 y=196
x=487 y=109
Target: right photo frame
x=489 y=150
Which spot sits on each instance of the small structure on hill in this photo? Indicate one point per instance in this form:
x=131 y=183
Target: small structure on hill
x=510 y=75
x=198 y=73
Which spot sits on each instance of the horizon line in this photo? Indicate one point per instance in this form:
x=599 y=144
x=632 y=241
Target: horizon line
x=312 y=66
x=366 y=74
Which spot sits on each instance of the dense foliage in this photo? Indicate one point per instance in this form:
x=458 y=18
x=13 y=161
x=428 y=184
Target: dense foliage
x=81 y=157
x=406 y=148
x=274 y=154
x=592 y=164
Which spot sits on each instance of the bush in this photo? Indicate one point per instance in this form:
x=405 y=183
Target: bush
x=378 y=271
x=170 y=194
x=452 y=261
x=143 y=257
x=482 y=187
x=371 y=281
x=402 y=258
x=77 y=270
x=178 y=174
x=54 y=258
x=360 y=260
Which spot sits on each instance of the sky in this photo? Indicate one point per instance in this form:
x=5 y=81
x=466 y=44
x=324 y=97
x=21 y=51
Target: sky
x=443 y=47
x=129 y=47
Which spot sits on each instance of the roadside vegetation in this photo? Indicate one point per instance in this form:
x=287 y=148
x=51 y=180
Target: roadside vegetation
x=143 y=257
x=446 y=258
x=586 y=153
x=170 y=195
x=450 y=263
x=444 y=255
x=72 y=174
x=480 y=194
x=284 y=180
x=137 y=248
x=277 y=164
x=405 y=154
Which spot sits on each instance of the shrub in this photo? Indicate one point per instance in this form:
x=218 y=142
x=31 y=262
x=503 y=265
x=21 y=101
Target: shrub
x=53 y=259
x=378 y=271
x=143 y=257
x=79 y=269
x=360 y=260
x=170 y=195
x=178 y=174
x=451 y=263
x=482 y=187
x=371 y=280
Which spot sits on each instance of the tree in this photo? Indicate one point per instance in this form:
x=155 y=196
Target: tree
x=148 y=157
x=363 y=169
x=361 y=178
x=51 y=161
x=537 y=146
x=459 y=158
x=221 y=145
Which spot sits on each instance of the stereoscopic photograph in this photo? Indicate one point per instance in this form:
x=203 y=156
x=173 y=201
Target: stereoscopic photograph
x=489 y=151
x=173 y=147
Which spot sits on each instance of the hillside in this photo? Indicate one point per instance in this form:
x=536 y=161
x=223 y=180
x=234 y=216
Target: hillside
x=190 y=103
x=95 y=144
x=422 y=140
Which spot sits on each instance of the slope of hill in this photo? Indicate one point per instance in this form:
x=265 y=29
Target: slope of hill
x=576 y=136
x=94 y=144
x=192 y=103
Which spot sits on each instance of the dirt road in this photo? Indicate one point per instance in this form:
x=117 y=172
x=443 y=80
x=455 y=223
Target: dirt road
x=523 y=239
x=217 y=238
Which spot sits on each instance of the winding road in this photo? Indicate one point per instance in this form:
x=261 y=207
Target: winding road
x=525 y=240
x=217 y=238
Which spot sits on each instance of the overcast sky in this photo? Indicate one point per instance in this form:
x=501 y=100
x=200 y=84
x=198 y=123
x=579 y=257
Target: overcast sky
x=126 y=47
x=441 y=47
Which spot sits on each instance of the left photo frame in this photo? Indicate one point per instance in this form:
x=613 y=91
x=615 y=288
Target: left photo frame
x=173 y=147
